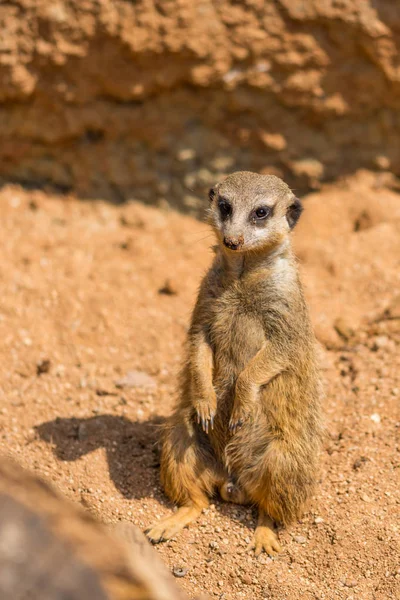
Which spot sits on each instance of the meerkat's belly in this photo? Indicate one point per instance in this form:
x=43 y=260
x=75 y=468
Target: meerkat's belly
x=236 y=337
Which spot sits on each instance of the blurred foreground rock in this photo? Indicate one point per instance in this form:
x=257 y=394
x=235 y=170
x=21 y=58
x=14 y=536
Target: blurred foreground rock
x=52 y=550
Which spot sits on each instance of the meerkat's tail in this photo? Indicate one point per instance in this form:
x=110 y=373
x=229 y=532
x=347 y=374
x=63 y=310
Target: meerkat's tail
x=187 y=474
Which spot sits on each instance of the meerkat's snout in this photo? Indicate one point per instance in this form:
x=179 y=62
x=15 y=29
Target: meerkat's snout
x=234 y=243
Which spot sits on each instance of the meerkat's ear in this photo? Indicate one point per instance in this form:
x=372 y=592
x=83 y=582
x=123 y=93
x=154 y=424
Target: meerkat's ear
x=212 y=193
x=293 y=212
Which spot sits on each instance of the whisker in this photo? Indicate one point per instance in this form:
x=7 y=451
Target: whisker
x=199 y=240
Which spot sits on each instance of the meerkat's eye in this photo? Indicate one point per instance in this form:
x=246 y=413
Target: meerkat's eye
x=225 y=209
x=261 y=213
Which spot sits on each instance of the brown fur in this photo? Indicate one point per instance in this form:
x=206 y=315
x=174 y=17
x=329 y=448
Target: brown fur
x=248 y=418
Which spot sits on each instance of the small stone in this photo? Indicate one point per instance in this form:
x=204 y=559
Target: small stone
x=382 y=162
x=358 y=462
x=300 y=539
x=263 y=559
x=246 y=579
x=213 y=545
x=82 y=432
x=375 y=418
x=309 y=167
x=136 y=379
x=350 y=583
x=43 y=366
x=221 y=583
x=318 y=520
x=169 y=288
x=275 y=141
x=343 y=328
x=366 y=498
x=381 y=341
x=186 y=154
x=179 y=571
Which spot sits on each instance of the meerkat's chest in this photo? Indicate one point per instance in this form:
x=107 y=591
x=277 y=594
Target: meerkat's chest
x=236 y=331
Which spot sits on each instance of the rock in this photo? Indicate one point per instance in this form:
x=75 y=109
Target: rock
x=246 y=579
x=186 y=154
x=169 y=288
x=82 y=432
x=318 y=520
x=134 y=379
x=300 y=539
x=366 y=498
x=350 y=583
x=179 y=571
x=375 y=418
x=344 y=328
x=43 y=366
x=358 y=462
x=200 y=61
x=263 y=559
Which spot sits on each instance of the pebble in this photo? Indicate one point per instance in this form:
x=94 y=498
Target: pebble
x=246 y=579
x=366 y=498
x=264 y=560
x=213 y=545
x=350 y=583
x=375 y=418
x=43 y=366
x=179 y=571
x=318 y=520
x=169 y=288
x=300 y=539
x=186 y=154
x=82 y=432
x=136 y=379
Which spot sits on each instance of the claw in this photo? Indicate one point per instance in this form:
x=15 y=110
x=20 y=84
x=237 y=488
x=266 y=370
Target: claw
x=233 y=427
x=212 y=421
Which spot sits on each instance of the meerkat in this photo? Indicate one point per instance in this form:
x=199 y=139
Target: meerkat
x=248 y=419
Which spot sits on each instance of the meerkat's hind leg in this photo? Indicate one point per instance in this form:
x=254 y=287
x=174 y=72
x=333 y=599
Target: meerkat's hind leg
x=168 y=527
x=265 y=537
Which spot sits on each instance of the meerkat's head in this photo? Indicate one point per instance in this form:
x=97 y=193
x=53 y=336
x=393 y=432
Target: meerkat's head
x=251 y=212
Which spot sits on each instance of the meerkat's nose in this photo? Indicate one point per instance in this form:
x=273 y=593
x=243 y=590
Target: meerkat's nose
x=233 y=243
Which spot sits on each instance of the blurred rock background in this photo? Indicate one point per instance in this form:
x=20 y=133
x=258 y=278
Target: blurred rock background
x=158 y=99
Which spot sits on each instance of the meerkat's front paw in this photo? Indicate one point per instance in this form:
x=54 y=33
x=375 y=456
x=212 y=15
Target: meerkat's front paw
x=205 y=411
x=238 y=417
x=267 y=540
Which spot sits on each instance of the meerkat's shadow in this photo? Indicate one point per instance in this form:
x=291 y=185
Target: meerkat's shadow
x=133 y=454
x=132 y=448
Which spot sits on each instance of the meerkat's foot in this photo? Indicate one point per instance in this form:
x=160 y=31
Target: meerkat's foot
x=267 y=540
x=265 y=537
x=231 y=492
x=168 y=527
x=205 y=411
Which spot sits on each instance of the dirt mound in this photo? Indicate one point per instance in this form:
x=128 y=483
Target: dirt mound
x=94 y=308
x=157 y=99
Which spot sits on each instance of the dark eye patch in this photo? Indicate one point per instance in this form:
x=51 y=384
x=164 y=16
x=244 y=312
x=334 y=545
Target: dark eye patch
x=261 y=213
x=225 y=208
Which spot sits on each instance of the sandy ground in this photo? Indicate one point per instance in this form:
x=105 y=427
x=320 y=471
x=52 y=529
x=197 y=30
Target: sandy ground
x=83 y=303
